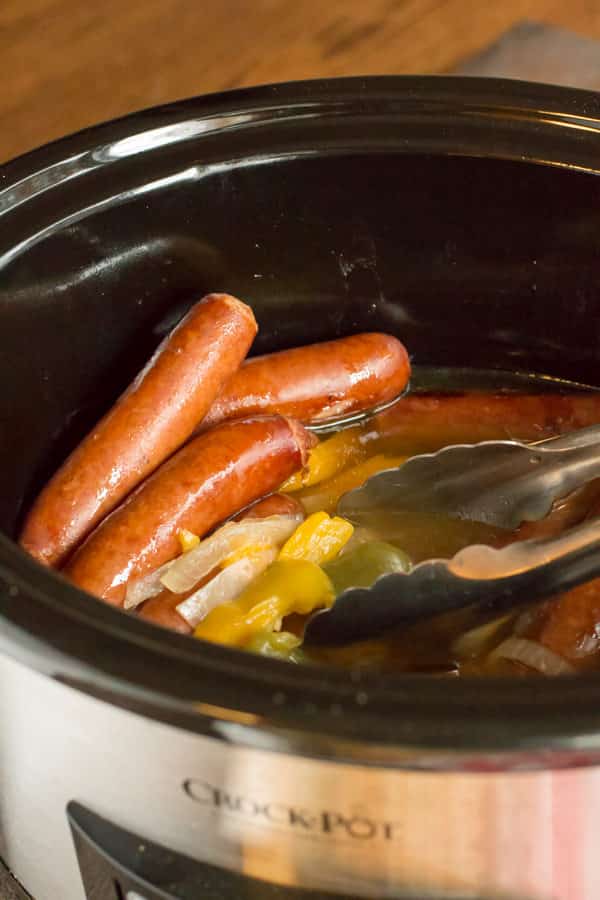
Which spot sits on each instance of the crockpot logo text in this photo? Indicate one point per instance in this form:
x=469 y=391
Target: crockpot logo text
x=324 y=822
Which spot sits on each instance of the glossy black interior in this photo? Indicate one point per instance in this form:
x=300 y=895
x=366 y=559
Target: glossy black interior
x=463 y=216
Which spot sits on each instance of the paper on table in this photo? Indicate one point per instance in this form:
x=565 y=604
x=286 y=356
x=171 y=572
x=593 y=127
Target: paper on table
x=535 y=52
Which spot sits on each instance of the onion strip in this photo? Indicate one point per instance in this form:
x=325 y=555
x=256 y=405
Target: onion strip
x=533 y=655
x=150 y=585
x=477 y=640
x=189 y=569
x=225 y=586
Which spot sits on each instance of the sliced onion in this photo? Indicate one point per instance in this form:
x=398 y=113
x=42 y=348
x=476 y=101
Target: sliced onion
x=533 y=655
x=189 y=569
x=149 y=585
x=476 y=640
x=226 y=586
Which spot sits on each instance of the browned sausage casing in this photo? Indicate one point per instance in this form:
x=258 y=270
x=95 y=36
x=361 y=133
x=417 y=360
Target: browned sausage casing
x=151 y=419
x=273 y=505
x=217 y=473
x=317 y=382
x=162 y=609
x=568 y=625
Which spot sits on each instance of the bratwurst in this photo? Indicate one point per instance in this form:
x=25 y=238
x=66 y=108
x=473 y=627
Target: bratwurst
x=154 y=416
x=207 y=481
x=317 y=382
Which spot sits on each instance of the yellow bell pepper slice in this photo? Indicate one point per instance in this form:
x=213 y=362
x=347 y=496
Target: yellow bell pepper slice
x=318 y=539
x=325 y=496
x=187 y=540
x=287 y=586
x=328 y=458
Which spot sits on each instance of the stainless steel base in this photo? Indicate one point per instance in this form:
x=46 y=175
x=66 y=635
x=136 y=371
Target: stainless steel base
x=329 y=826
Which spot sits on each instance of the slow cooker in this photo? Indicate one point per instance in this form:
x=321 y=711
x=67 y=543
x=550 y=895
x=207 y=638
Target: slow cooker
x=460 y=214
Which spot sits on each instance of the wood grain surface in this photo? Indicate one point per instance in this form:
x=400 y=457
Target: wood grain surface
x=67 y=64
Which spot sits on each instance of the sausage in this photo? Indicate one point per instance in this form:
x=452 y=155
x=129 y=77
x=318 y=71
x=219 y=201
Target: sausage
x=569 y=624
x=422 y=422
x=162 y=609
x=215 y=474
x=273 y=505
x=317 y=382
x=154 y=416
x=566 y=512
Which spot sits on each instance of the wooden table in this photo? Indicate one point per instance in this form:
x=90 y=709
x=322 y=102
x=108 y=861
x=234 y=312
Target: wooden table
x=70 y=63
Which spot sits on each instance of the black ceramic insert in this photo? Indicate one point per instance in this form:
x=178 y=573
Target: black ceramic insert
x=462 y=215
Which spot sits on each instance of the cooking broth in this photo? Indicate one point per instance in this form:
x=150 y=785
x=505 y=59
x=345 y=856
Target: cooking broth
x=467 y=642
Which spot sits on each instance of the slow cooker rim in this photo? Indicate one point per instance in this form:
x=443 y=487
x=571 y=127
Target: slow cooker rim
x=527 y=99
x=465 y=714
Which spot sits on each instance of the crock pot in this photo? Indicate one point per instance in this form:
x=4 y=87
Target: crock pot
x=462 y=215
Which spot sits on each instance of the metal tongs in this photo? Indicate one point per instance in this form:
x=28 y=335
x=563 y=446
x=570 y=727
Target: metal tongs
x=501 y=483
